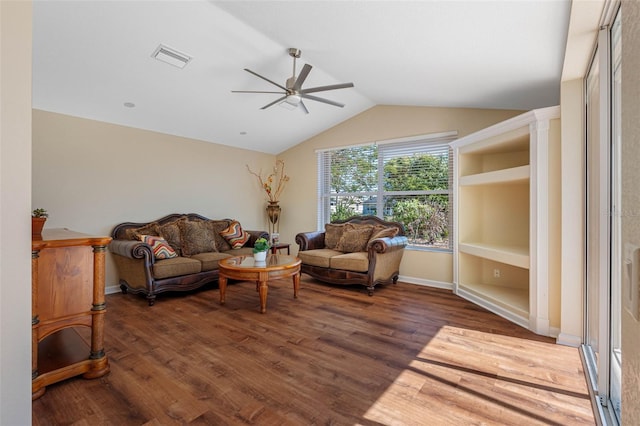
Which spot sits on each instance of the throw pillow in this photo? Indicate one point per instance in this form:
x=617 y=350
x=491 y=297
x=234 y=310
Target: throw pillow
x=382 y=232
x=197 y=237
x=161 y=249
x=218 y=226
x=235 y=235
x=171 y=232
x=354 y=238
x=148 y=229
x=332 y=234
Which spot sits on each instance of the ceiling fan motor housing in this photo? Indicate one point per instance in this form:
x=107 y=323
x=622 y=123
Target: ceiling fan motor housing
x=295 y=53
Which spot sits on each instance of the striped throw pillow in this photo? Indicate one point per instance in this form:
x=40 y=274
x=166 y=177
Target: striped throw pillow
x=235 y=235
x=160 y=247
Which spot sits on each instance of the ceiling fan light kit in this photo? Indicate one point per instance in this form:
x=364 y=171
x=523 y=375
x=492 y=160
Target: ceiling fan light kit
x=292 y=92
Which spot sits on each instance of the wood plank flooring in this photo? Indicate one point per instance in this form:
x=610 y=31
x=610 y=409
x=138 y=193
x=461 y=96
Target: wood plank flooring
x=409 y=355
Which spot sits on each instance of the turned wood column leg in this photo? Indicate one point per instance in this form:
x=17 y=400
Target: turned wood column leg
x=39 y=390
x=222 y=284
x=99 y=307
x=296 y=284
x=264 y=288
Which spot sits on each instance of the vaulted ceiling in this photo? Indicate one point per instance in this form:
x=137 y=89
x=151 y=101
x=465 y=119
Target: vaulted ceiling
x=93 y=59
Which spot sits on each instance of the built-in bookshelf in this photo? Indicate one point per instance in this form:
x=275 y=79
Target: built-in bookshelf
x=505 y=216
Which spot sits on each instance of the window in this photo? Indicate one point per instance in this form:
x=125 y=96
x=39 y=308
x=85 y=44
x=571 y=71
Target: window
x=407 y=181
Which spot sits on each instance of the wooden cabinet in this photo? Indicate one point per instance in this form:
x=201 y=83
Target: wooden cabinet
x=507 y=215
x=68 y=307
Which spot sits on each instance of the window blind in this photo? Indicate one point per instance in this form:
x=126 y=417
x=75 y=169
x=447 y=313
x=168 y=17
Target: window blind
x=408 y=181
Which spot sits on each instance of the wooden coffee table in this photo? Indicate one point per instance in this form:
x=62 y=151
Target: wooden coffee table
x=244 y=268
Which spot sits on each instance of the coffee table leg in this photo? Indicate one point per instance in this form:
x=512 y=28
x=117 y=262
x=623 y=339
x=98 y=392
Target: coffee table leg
x=222 y=283
x=263 y=288
x=296 y=285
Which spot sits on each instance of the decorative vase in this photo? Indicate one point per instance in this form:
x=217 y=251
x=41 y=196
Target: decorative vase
x=273 y=211
x=260 y=256
x=37 y=223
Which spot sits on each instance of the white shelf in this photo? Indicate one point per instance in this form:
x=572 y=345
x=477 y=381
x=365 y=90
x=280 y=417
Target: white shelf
x=511 y=303
x=505 y=209
x=510 y=255
x=511 y=175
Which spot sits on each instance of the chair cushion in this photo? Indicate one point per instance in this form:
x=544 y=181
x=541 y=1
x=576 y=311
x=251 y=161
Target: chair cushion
x=210 y=260
x=318 y=257
x=177 y=266
x=357 y=262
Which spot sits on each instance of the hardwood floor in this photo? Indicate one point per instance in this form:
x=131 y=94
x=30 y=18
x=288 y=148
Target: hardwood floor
x=409 y=355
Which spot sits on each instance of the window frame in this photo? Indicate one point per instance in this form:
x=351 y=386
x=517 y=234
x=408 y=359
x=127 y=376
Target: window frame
x=435 y=142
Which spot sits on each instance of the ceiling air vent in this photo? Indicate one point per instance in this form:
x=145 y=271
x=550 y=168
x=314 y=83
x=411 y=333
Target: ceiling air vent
x=171 y=56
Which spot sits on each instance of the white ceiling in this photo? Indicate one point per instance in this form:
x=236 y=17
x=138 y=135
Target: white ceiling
x=91 y=57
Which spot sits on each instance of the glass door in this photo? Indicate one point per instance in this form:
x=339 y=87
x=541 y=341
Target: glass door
x=604 y=257
x=617 y=254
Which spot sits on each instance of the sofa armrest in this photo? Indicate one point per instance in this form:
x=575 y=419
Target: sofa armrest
x=134 y=262
x=254 y=235
x=384 y=245
x=310 y=240
x=132 y=249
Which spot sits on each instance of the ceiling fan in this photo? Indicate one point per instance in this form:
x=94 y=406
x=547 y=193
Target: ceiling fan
x=293 y=91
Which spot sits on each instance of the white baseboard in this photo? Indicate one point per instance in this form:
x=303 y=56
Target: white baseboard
x=569 y=340
x=112 y=289
x=426 y=283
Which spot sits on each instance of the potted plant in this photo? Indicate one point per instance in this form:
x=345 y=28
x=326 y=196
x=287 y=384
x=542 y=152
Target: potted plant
x=38 y=218
x=260 y=249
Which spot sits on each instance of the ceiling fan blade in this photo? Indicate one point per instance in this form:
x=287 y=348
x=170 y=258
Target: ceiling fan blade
x=304 y=107
x=274 y=102
x=265 y=79
x=330 y=87
x=256 y=91
x=323 y=100
x=302 y=77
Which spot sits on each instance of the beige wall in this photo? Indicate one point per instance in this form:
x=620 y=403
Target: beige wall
x=92 y=175
x=376 y=124
x=15 y=206
x=630 y=199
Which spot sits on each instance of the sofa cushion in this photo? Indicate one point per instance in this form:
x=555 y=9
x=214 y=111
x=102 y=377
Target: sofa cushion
x=177 y=266
x=171 y=232
x=210 y=260
x=219 y=226
x=148 y=229
x=243 y=251
x=357 y=262
x=197 y=237
x=318 y=257
x=235 y=235
x=380 y=231
x=332 y=234
x=354 y=238
x=161 y=249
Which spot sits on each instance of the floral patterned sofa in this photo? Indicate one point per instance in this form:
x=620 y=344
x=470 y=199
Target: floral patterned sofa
x=362 y=250
x=178 y=252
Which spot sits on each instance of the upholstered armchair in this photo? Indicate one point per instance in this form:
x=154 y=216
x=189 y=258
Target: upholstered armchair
x=363 y=250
